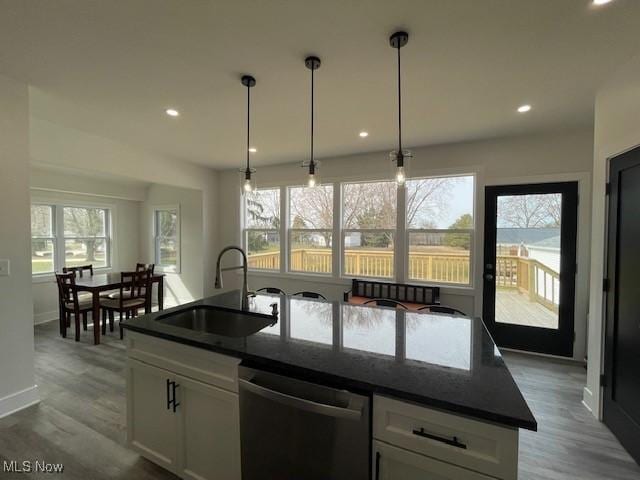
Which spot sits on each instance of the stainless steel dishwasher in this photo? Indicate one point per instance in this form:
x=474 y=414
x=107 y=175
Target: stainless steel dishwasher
x=293 y=430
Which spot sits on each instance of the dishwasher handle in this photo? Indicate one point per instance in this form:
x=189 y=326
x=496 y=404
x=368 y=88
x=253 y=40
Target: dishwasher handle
x=301 y=403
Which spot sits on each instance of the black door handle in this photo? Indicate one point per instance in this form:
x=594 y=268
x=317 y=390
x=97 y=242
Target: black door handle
x=175 y=404
x=449 y=441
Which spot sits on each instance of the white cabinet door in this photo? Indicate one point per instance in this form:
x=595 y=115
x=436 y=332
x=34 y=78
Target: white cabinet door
x=393 y=463
x=151 y=424
x=209 y=431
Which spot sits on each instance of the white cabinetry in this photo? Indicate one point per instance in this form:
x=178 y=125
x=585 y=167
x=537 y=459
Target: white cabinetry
x=181 y=423
x=409 y=439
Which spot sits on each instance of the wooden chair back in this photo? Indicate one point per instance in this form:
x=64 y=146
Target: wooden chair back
x=135 y=285
x=67 y=292
x=79 y=270
x=141 y=267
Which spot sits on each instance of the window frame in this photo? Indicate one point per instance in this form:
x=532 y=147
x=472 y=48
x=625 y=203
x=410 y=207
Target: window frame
x=245 y=230
x=165 y=268
x=344 y=231
x=59 y=238
x=290 y=230
x=401 y=232
x=52 y=238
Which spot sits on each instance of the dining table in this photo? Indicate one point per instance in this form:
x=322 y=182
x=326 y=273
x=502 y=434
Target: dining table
x=103 y=282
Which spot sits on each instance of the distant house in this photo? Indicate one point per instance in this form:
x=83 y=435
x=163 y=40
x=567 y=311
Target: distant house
x=541 y=244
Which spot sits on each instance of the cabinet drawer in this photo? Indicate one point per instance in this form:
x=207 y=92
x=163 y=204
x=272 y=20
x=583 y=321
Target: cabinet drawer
x=208 y=367
x=476 y=445
x=393 y=463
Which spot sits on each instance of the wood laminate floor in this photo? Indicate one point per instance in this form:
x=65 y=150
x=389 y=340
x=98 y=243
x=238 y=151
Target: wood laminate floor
x=80 y=421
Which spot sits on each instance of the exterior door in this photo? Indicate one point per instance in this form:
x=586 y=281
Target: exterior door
x=621 y=412
x=530 y=266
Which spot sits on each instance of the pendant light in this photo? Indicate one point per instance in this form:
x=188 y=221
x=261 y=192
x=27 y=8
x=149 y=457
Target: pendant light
x=313 y=180
x=400 y=157
x=248 y=182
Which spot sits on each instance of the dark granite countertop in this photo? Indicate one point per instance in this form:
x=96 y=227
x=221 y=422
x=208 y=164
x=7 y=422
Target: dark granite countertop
x=436 y=360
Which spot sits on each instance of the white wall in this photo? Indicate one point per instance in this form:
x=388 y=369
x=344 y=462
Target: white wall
x=617 y=129
x=17 y=381
x=559 y=156
x=188 y=285
x=63 y=147
x=125 y=246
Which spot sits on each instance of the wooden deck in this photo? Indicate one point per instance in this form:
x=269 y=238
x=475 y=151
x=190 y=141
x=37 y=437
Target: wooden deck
x=516 y=308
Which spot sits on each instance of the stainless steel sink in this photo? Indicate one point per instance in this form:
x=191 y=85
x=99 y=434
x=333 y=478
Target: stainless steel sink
x=218 y=320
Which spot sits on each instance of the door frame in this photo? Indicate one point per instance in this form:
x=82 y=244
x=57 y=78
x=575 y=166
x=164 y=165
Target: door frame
x=558 y=342
x=623 y=427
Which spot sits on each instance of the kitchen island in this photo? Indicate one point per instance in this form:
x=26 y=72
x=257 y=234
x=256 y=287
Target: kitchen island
x=443 y=401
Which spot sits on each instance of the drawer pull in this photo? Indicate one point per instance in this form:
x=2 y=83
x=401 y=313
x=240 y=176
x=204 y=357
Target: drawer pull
x=453 y=442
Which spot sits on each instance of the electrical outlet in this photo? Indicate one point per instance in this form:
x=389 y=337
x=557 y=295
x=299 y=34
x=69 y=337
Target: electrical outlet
x=4 y=267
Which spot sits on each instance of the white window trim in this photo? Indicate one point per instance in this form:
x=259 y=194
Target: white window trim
x=401 y=234
x=59 y=255
x=156 y=254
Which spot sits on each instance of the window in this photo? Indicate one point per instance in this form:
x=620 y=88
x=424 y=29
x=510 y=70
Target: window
x=86 y=236
x=311 y=229
x=440 y=229
x=368 y=228
x=68 y=236
x=43 y=241
x=167 y=238
x=261 y=231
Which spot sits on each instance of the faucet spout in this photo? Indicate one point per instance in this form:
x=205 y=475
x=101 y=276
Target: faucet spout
x=244 y=266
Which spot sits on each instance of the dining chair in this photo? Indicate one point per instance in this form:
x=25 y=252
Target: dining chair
x=134 y=294
x=79 y=270
x=442 y=309
x=306 y=294
x=274 y=290
x=386 y=302
x=140 y=267
x=70 y=304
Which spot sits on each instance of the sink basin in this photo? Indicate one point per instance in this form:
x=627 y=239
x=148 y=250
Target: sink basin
x=218 y=320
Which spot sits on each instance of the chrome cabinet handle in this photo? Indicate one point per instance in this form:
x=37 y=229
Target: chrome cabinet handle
x=449 y=441
x=301 y=403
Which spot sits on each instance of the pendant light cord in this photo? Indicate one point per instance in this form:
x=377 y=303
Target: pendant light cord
x=311 y=164
x=399 y=106
x=248 y=125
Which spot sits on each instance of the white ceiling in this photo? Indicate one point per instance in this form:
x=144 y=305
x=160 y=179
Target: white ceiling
x=113 y=67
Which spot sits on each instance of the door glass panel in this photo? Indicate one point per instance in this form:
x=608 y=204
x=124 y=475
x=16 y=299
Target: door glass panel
x=527 y=269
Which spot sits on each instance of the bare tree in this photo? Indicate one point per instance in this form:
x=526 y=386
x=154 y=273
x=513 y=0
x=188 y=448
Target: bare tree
x=529 y=211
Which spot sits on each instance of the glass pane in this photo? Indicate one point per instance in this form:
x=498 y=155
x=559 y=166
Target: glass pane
x=263 y=250
x=262 y=209
x=440 y=203
x=310 y=252
x=42 y=256
x=311 y=207
x=166 y=223
x=41 y=221
x=311 y=320
x=85 y=251
x=528 y=259
x=440 y=257
x=368 y=254
x=168 y=254
x=369 y=205
x=84 y=222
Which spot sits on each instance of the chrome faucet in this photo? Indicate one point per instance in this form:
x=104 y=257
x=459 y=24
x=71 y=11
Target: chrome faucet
x=244 y=267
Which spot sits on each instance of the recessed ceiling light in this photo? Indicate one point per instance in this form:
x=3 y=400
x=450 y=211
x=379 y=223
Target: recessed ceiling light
x=364 y=134
x=524 y=108
x=601 y=2
x=253 y=149
x=172 y=112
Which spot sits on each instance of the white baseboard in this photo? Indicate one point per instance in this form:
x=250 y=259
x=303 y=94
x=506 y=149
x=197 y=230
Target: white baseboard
x=19 y=400
x=45 y=317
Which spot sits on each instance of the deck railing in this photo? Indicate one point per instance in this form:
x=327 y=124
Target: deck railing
x=529 y=276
